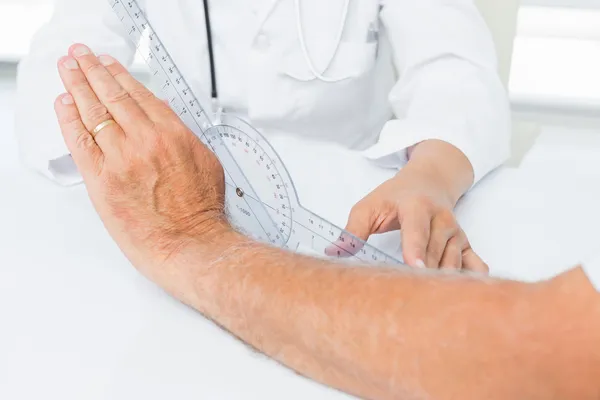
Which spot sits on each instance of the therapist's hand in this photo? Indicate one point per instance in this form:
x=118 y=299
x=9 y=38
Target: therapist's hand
x=154 y=184
x=420 y=201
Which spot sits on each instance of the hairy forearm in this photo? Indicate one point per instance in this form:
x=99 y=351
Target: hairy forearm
x=381 y=333
x=373 y=332
x=442 y=163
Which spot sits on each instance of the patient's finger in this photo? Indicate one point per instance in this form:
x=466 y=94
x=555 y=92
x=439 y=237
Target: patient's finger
x=85 y=151
x=91 y=110
x=155 y=108
x=121 y=106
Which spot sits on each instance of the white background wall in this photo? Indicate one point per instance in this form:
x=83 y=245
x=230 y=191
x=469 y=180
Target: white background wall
x=557 y=56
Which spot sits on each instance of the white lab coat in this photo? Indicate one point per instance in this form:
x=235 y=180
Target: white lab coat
x=415 y=70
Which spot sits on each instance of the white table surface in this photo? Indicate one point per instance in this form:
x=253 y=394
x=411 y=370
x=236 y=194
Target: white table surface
x=78 y=322
x=557 y=148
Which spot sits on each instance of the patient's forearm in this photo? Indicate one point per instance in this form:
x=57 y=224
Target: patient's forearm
x=399 y=334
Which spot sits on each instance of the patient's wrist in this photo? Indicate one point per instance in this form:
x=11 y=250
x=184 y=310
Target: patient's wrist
x=190 y=270
x=211 y=239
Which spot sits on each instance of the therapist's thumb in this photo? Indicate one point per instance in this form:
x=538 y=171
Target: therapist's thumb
x=360 y=221
x=359 y=226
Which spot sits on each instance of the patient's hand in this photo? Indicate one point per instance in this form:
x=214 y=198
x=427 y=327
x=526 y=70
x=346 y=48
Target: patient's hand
x=154 y=184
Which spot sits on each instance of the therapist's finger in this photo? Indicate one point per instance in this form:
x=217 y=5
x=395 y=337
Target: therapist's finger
x=452 y=257
x=155 y=108
x=85 y=151
x=415 y=230
x=359 y=228
x=117 y=100
x=360 y=221
x=91 y=111
x=443 y=228
x=472 y=262
x=346 y=245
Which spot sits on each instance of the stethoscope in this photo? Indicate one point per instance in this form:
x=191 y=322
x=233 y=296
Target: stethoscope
x=316 y=74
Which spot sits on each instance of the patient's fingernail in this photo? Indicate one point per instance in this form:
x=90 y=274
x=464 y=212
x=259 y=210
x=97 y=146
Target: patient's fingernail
x=67 y=100
x=70 y=63
x=106 y=60
x=81 y=50
x=420 y=264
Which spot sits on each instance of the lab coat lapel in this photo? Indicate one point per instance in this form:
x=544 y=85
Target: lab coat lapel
x=263 y=15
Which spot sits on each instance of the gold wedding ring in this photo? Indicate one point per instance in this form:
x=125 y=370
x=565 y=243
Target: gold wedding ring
x=102 y=126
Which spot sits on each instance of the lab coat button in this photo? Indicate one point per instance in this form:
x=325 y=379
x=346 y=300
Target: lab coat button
x=262 y=42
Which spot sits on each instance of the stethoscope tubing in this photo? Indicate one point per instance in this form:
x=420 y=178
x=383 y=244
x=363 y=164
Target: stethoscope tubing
x=316 y=74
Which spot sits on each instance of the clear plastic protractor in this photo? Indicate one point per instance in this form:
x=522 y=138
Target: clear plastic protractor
x=261 y=199
x=262 y=166
x=300 y=229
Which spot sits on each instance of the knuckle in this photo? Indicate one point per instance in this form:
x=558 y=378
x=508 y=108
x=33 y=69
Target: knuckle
x=92 y=68
x=84 y=141
x=70 y=121
x=436 y=250
x=418 y=235
x=454 y=247
x=141 y=94
x=422 y=227
x=79 y=82
x=420 y=202
x=437 y=245
x=360 y=210
x=463 y=240
x=445 y=219
x=97 y=112
x=117 y=95
x=120 y=73
x=418 y=207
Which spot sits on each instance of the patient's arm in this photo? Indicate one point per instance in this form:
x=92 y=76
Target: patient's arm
x=398 y=333
x=371 y=332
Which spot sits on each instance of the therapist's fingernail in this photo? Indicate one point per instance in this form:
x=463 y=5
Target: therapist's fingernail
x=106 y=60
x=420 y=264
x=69 y=63
x=67 y=100
x=81 y=50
